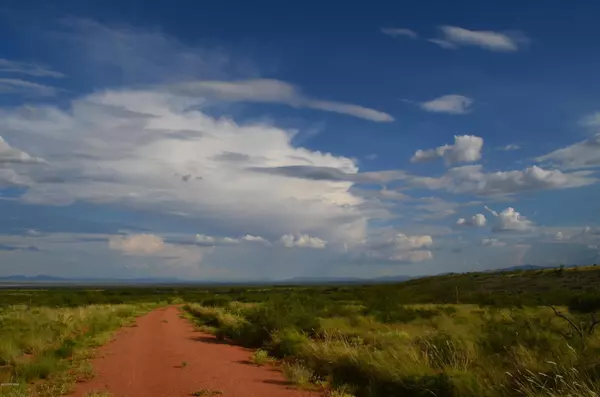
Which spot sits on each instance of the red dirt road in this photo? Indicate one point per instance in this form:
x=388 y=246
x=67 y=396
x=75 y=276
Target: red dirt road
x=146 y=361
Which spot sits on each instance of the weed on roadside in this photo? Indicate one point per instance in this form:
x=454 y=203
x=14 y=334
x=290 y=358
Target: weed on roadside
x=297 y=373
x=261 y=357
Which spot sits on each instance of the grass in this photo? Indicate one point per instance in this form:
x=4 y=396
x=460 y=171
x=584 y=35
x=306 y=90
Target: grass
x=48 y=348
x=261 y=357
x=383 y=346
x=457 y=335
x=298 y=373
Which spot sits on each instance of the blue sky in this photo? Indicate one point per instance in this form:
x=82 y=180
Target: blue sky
x=231 y=140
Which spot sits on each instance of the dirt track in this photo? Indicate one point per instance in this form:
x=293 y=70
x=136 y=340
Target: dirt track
x=146 y=361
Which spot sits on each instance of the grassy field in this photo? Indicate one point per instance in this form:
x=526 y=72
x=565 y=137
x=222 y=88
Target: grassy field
x=525 y=333
x=44 y=350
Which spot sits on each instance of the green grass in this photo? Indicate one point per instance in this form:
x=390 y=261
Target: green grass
x=49 y=347
x=261 y=357
x=457 y=335
x=298 y=373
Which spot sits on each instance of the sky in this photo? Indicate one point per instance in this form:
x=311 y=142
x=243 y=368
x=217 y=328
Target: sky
x=239 y=140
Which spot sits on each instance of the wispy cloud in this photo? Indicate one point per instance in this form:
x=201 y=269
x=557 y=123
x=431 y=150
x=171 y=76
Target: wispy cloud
x=26 y=68
x=471 y=179
x=451 y=104
x=26 y=88
x=400 y=32
x=509 y=147
x=591 y=120
x=12 y=155
x=454 y=37
x=272 y=91
x=584 y=154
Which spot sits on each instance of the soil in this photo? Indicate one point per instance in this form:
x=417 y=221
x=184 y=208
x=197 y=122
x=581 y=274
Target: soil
x=163 y=355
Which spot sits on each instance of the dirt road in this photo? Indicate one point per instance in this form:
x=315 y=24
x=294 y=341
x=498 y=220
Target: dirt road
x=164 y=356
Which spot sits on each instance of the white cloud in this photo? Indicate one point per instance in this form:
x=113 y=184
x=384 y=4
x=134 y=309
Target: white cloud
x=272 y=91
x=31 y=69
x=454 y=36
x=27 y=88
x=559 y=236
x=470 y=179
x=302 y=241
x=466 y=149
x=443 y=43
x=492 y=242
x=584 y=154
x=256 y=239
x=412 y=256
x=153 y=246
x=591 y=120
x=204 y=240
x=392 y=246
x=137 y=244
x=399 y=32
x=510 y=147
x=510 y=220
x=12 y=155
x=404 y=242
x=136 y=142
x=451 y=104
x=477 y=220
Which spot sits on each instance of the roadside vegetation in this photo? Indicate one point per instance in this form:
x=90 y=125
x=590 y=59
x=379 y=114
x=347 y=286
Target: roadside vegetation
x=527 y=333
x=45 y=350
x=522 y=333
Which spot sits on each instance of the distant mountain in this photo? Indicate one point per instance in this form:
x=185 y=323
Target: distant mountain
x=40 y=278
x=528 y=267
x=43 y=279
x=342 y=280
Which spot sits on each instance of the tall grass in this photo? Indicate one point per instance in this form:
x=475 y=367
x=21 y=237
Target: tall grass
x=41 y=343
x=423 y=350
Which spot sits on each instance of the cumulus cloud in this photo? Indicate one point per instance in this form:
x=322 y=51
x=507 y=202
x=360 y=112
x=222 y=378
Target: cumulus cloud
x=302 y=241
x=399 y=32
x=466 y=149
x=272 y=91
x=135 y=143
x=27 y=68
x=451 y=104
x=470 y=179
x=256 y=239
x=584 y=154
x=394 y=247
x=26 y=88
x=454 y=37
x=210 y=241
x=137 y=244
x=477 y=220
x=151 y=245
x=509 y=220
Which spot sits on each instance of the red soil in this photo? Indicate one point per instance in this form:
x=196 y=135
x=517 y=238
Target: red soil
x=146 y=361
